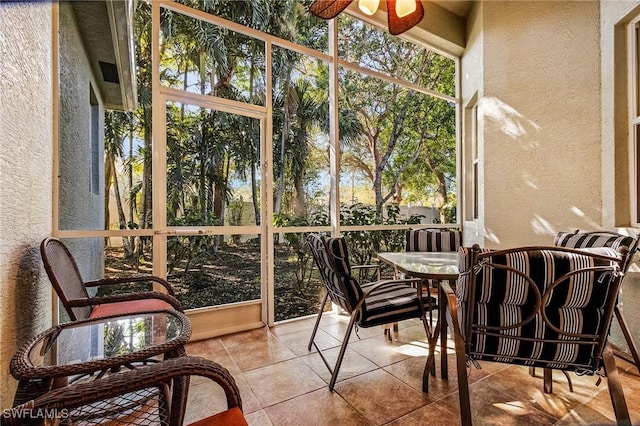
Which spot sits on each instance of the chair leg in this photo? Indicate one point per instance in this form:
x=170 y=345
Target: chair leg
x=430 y=365
x=463 y=382
x=315 y=327
x=548 y=380
x=569 y=382
x=627 y=336
x=343 y=348
x=615 y=389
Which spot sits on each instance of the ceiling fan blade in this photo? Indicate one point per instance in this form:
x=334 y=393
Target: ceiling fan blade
x=328 y=9
x=399 y=25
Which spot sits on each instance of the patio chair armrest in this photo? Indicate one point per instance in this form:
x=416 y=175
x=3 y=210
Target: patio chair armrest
x=99 y=300
x=369 y=266
x=377 y=268
x=114 y=385
x=134 y=279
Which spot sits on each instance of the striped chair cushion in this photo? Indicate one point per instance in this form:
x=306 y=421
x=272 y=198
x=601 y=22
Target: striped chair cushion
x=332 y=281
x=339 y=259
x=463 y=284
x=389 y=303
x=433 y=240
x=594 y=239
x=338 y=248
x=505 y=299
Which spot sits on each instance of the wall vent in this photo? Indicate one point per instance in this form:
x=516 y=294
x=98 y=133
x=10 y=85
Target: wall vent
x=109 y=72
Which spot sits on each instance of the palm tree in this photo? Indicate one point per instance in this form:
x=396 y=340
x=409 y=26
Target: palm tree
x=116 y=124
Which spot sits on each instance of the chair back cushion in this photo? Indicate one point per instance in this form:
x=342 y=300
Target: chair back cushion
x=433 y=240
x=331 y=257
x=597 y=239
x=594 y=239
x=540 y=306
x=64 y=275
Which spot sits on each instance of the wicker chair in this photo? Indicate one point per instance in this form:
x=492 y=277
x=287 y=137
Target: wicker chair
x=141 y=396
x=378 y=303
x=65 y=277
x=614 y=240
x=548 y=307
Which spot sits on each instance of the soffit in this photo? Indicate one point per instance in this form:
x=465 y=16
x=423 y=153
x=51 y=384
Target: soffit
x=106 y=28
x=457 y=7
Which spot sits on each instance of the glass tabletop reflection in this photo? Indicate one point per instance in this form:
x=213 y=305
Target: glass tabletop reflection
x=104 y=338
x=442 y=265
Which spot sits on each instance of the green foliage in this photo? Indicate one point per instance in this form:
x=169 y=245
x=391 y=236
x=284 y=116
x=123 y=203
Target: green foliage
x=187 y=252
x=297 y=241
x=363 y=245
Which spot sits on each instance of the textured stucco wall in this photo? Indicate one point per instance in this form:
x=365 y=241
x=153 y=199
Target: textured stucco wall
x=25 y=177
x=615 y=153
x=79 y=207
x=541 y=116
x=472 y=76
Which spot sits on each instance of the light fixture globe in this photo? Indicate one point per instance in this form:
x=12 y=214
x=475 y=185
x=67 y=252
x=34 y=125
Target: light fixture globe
x=369 y=7
x=405 y=7
x=401 y=14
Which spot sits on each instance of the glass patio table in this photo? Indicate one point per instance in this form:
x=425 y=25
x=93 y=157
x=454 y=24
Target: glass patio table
x=437 y=266
x=88 y=349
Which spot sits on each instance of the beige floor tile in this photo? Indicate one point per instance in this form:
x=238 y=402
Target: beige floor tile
x=293 y=326
x=298 y=341
x=380 y=397
x=353 y=364
x=410 y=371
x=412 y=333
x=382 y=352
x=282 y=381
x=518 y=384
x=259 y=418
x=204 y=348
x=259 y=334
x=584 y=415
x=205 y=399
x=339 y=328
x=320 y=408
x=495 y=408
x=430 y=415
x=258 y=353
x=380 y=382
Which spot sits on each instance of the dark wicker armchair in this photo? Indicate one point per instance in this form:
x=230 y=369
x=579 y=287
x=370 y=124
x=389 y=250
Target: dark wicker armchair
x=65 y=277
x=547 y=307
x=378 y=303
x=140 y=396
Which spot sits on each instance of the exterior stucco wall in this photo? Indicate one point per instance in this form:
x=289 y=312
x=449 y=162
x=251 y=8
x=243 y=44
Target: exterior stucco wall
x=25 y=177
x=79 y=206
x=472 y=76
x=541 y=115
x=615 y=148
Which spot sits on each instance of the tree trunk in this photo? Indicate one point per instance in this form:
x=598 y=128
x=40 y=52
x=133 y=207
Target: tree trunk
x=254 y=187
x=283 y=140
x=108 y=161
x=128 y=241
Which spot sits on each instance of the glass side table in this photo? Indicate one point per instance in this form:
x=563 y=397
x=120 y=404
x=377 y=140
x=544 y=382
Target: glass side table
x=94 y=347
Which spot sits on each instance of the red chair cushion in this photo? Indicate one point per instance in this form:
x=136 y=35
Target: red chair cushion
x=231 y=417
x=132 y=306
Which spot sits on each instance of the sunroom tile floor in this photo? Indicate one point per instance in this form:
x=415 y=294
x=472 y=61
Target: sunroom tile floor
x=282 y=383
